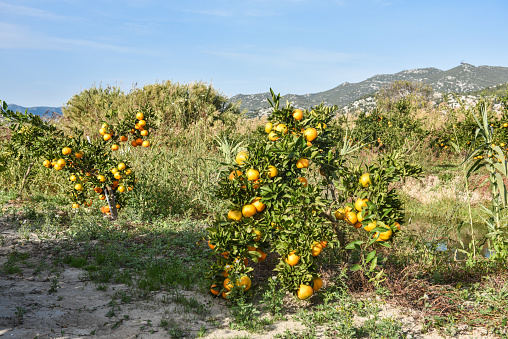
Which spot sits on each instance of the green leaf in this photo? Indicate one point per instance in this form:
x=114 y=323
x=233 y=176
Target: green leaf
x=356 y=267
x=353 y=244
x=370 y=256
x=374 y=264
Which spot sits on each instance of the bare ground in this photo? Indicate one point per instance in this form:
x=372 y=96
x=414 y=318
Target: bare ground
x=43 y=302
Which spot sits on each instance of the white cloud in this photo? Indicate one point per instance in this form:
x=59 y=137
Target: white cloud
x=32 y=12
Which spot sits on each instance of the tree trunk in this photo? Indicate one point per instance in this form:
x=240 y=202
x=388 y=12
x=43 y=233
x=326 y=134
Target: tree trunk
x=20 y=194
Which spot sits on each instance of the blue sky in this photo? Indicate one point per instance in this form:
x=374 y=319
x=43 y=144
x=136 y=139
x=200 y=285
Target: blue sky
x=53 y=49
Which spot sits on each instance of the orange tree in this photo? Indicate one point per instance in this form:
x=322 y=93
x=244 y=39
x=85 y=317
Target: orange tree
x=370 y=204
x=273 y=204
x=91 y=166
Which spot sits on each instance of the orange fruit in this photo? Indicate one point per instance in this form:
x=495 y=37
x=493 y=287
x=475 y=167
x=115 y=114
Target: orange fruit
x=75 y=205
x=102 y=197
x=139 y=141
x=114 y=147
x=258 y=204
x=72 y=178
x=268 y=127
x=358 y=224
x=359 y=216
x=142 y=123
x=140 y=116
x=234 y=174
x=146 y=143
x=134 y=143
x=272 y=171
x=397 y=225
x=272 y=136
x=324 y=243
x=281 y=128
x=370 y=226
x=121 y=166
x=263 y=255
x=316 y=248
x=123 y=138
x=383 y=236
x=66 y=150
x=298 y=114
x=292 y=259
x=78 y=155
x=244 y=282
x=302 y=163
x=46 y=163
x=121 y=188
x=144 y=132
x=212 y=246
x=351 y=217
x=360 y=203
x=106 y=136
x=128 y=171
x=241 y=157
x=98 y=190
x=248 y=210
x=340 y=214
x=225 y=295
x=304 y=292
x=118 y=176
x=309 y=143
x=101 y=178
x=318 y=283
x=78 y=187
x=61 y=162
x=227 y=284
x=214 y=290
x=258 y=235
x=310 y=134
x=235 y=215
x=365 y=180
x=102 y=131
x=252 y=174
x=303 y=181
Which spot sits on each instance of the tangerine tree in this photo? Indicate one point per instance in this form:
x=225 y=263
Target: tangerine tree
x=275 y=205
x=93 y=167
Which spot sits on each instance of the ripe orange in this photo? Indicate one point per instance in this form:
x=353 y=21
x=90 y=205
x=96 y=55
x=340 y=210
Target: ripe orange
x=244 y=282
x=316 y=248
x=324 y=243
x=234 y=174
x=310 y=134
x=263 y=255
x=114 y=147
x=370 y=226
x=258 y=204
x=101 y=178
x=351 y=217
x=134 y=143
x=340 y=214
x=123 y=138
x=272 y=136
x=142 y=123
x=365 y=180
x=268 y=127
x=140 y=116
x=252 y=174
x=309 y=143
x=128 y=171
x=241 y=157
x=397 y=225
x=144 y=132
x=78 y=155
x=272 y=171
x=212 y=246
x=214 y=290
x=72 y=178
x=360 y=203
x=121 y=189
x=139 y=141
x=146 y=143
x=78 y=187
x=66 y=150
x=61 y=162
x=46 y=163
x=106 y=136
x=248 y=210
x=292 y=259
x=303 y=181
x=358 y=224
x=227 y=284
x=322 y=126
x=281 y=128
x=258 y=235
x=304 y=292
x=102 y=197
x=318 y=283
x=235 y=215
x=298 y=114
x=121 y=166
x=117 y=175
x=98 y=190
x=302 y=163
x=359 y=216
x=383 y=236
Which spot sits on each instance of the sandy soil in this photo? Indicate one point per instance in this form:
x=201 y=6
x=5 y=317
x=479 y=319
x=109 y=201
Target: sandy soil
x=43 y=302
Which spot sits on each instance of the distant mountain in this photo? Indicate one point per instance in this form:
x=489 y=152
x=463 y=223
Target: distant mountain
x=39 y=110
x=461 y=79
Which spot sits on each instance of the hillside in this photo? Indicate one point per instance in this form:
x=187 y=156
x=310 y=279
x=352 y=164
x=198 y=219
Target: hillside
x=39 y=110
x=461 y=79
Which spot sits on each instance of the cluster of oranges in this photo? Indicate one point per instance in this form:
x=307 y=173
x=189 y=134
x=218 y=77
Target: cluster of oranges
x=357 y=215
x=139 y=131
